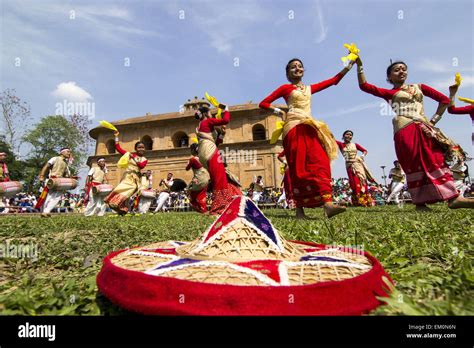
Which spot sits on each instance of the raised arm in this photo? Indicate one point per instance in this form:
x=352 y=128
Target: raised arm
x=117 y=145
x=224 y=120
x=316 y=87
x=452 y=109
x=340 y=144
x=384 y=93
x=461 y=110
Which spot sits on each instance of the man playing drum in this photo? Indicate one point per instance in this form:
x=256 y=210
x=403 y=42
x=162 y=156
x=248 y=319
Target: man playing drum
x=147 y=195
x=58 y=168
x=97 y=185
x=165 y=186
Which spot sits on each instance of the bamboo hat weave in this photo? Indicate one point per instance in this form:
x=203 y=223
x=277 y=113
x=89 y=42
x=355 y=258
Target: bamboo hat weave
x=242 y=249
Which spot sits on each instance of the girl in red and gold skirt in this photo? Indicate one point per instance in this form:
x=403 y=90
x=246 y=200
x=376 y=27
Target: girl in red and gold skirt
x=198 y=186
x=309 y=145
x=419 y=146
x=357 y=171
x=210 y=158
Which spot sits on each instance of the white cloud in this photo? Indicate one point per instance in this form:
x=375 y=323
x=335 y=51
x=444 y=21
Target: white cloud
x=71 y=92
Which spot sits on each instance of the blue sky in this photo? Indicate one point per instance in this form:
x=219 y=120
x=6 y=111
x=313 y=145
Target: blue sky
x=179 y=49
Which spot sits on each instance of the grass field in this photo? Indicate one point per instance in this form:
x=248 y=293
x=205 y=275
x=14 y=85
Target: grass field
x=428 y=255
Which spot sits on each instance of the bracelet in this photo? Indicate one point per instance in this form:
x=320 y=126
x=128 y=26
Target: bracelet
x=435 y=119
x=277 y=111
x=360 y=69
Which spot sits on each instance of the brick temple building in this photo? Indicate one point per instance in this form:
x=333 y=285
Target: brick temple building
x=167 y=138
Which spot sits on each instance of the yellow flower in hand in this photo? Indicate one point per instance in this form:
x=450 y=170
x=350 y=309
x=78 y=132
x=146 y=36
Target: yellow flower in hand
x=215 y=103
x=457 y=79
x=353 y=52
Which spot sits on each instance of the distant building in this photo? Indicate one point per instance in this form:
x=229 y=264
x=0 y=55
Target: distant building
x=167 y=138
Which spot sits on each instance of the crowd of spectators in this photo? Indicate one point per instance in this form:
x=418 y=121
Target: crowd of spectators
x=179 y=201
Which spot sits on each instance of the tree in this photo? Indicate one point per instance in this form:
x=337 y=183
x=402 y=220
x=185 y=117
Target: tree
x=49 y=136
x=82 y=124
x=15 y=118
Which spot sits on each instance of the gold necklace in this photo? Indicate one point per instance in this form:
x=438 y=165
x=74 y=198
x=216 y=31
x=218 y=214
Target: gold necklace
x=301 y=86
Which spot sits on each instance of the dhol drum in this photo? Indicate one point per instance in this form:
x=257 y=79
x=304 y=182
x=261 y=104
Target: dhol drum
x=178 y=185
x=102 y=189
x=61 y=184
x=10 y=188
x=148 y=194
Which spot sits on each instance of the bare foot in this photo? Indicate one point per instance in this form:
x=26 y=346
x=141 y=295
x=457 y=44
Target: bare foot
x=423 y=208
x=461 y=202
x=332 y=209
x=45 y=215
x=300 y=213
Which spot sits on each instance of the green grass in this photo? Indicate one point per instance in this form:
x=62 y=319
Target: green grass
x=428 y=255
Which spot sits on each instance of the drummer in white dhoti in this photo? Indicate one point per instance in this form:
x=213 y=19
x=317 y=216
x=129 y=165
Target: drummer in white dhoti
x=258 y=187
x=97 y=187
x=58 y=168
x=398 y=182
x=165 y=186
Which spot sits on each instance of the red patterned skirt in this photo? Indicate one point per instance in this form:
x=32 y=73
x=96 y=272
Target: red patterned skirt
x=429 y=179
x=309 y=167
x=198 y=200
x=221 y=198
x=360 y=193
x=222 y=190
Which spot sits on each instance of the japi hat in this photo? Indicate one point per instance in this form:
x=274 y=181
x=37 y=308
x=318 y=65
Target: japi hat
x=347 y=131
x=242 y=266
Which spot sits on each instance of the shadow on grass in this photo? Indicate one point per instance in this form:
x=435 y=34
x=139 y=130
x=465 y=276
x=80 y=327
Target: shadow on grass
x=107 y=308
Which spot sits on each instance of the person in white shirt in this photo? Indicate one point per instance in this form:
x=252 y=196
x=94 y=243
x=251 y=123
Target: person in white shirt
x=165 y=186
x=257 y=189
x=144 y=203
x=398 y=182
x=96 y=176
x=58 y=167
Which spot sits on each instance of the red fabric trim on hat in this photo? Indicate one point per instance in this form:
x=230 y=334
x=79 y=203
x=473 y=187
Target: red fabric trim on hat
x=147 y=294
